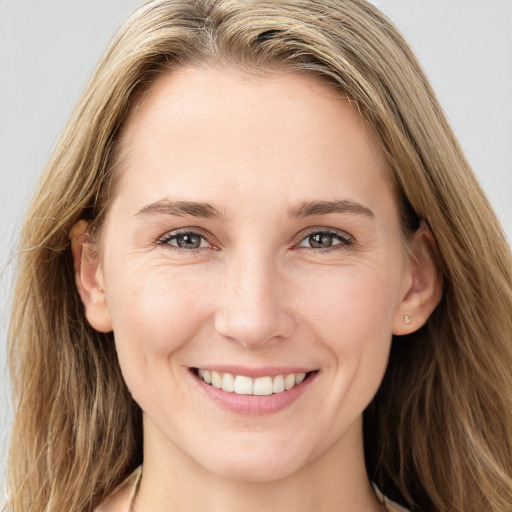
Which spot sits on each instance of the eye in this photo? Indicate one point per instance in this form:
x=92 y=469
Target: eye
x=325 y=240
x=186 y=240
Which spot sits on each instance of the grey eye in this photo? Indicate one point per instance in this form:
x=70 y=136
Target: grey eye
x=189 y=240
x=324 y=240
x=321 y=240
x=186 y=240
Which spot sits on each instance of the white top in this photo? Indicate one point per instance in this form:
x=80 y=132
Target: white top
x=390 y=505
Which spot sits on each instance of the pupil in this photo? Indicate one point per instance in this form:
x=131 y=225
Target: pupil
x=320 y=240
x=189 y=241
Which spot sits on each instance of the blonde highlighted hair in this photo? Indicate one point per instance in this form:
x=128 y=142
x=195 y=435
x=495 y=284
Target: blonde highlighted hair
x=438 y=434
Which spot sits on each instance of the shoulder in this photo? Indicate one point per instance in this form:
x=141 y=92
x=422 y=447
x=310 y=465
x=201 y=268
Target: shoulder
x=119 y=500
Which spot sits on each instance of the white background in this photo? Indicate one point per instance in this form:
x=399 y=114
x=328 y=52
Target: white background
x=48 y=48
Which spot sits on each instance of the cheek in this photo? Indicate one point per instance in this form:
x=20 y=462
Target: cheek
x=155 y=315
x=351 y=314
x=349 y=301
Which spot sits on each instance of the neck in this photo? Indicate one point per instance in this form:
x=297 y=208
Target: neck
x=336 y=480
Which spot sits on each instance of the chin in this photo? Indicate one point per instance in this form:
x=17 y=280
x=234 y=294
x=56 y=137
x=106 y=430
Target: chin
x=254 y=462
x=257 y=471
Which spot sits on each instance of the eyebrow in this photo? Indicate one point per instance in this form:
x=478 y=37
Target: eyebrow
x=207 y=211
x=181 y=208
x=324 y=207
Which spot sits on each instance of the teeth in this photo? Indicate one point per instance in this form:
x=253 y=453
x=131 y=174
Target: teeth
x=216 y=379
x=289 y=381
x=262 y=386
x=243 y=385
x=228 y=382
x=278 y=384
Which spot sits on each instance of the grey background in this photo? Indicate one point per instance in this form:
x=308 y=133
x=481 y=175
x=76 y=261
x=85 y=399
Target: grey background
x=48 y=48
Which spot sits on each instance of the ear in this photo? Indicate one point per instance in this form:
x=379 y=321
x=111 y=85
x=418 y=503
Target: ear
x=89 y=278
x=426 y=284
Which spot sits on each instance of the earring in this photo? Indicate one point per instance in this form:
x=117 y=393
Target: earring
x=407 y=319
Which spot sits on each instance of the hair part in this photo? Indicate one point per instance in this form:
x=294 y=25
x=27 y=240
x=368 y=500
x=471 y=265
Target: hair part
x=439 y=432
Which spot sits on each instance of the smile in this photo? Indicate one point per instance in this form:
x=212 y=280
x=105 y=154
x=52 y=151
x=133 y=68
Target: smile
x=243 y=385
x=254 y=391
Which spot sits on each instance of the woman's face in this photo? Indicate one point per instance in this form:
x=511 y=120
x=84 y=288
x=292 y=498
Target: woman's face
x=254 y=234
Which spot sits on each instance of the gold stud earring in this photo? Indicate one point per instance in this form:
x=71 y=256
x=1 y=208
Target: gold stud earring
x=407 y=319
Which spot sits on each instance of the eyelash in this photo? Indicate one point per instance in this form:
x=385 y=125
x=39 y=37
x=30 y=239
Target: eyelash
x=344 y=240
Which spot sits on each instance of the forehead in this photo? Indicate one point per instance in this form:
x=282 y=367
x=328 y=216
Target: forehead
x=223 y=125
x=195 y=95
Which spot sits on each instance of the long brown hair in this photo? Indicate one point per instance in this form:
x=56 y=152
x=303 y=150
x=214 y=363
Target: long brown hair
x=439 y=432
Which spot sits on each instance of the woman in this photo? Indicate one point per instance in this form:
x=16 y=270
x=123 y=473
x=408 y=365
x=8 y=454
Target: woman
x=259 y=268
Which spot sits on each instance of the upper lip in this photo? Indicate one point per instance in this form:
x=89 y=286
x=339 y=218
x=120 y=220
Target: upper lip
x=267 y=371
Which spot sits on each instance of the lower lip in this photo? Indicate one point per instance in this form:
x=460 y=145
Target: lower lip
x=255 y=405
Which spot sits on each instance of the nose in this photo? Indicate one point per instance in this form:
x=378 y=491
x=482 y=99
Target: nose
x=251 y=306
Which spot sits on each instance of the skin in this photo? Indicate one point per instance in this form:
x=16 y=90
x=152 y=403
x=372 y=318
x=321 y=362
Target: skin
x=255 y=293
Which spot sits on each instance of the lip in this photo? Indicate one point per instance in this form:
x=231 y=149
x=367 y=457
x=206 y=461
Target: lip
x=254 y=405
